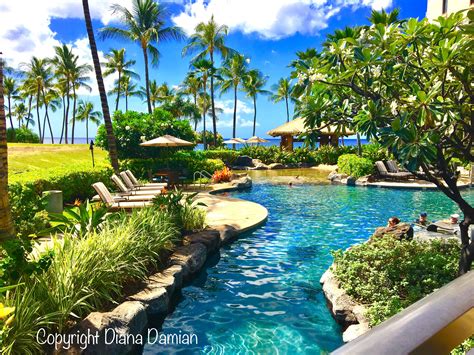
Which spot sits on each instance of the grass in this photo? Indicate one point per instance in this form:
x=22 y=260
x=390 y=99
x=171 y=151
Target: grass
x=27 y=162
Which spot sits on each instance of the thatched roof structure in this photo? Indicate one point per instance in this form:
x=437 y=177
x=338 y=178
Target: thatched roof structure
x=297 y=127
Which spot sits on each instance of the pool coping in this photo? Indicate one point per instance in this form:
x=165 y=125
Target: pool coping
x=131 y=318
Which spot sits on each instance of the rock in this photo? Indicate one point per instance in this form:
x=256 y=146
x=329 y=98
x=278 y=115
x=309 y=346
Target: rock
x=274 y=166
x=400 y=231
x=243 y=160
x=155 y=299
x=354 y=331
x=210 y=238
x=170 y=278
x=260 y=166
x=239 y=167
x=242 y=183
x=362 y=181
x=191 y=257
x=337 y=178
x=227 y=233
x=256 y=161
x=128 y=318
x=332 y=175
x=351 y=181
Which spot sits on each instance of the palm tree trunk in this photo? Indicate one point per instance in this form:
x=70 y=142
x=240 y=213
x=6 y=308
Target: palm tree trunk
x=10 y=114
x=118 y=92
x=30 y=101
x=67 y=114
x=147 y=80
x=47 y=118
x=254 y=114
x=64 y=119
x=214 y=121
x=204 y=143
x=359 y=145
x=6 y=224
x=73 y=112
x=87 y=130
x=287 y=110
x=126 y=102
x=100 y=84
x=38 y=114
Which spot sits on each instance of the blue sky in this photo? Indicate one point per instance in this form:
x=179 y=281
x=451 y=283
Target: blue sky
x=269 y=32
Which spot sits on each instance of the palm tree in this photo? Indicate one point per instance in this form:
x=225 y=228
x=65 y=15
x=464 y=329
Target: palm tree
x=79 y=79
x=253 y=86
x=209 y=39
x=51 y=100
x=116 y=63
x=144 y=24
x=11 y=90
x=64 y=63
x=127 y=89
x=233 y=72
x=86 y=113
x=6 y=225
x=21 y=112
x=283 y=92
x=383 y=17
x=100 y=83
x=39 y=77
x=203 y=70
x=191 y=86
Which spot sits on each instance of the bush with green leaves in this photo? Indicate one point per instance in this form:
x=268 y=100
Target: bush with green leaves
x=228 y=156
x=375 y=152
x=87 y=274
x=132 y=128
x=388 y=275
x=22 y=135
x=355 y=166
x=210 y=139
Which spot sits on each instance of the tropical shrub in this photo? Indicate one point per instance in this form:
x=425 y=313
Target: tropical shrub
x=228 y=156
x=224 y=175
x=132 y=128
x=22 y=135
x=355 y=166
x=210 y=139
x=374 y=152
x=79 y=278
x=389 y=275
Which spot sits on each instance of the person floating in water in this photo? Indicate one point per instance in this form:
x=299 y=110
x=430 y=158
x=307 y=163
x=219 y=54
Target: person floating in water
x=422 y=220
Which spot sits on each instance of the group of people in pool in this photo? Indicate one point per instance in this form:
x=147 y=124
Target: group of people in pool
x=450 y=225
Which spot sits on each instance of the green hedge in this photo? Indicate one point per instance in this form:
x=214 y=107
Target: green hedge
x=389 y=275
x=22 y=135
x=355 y=166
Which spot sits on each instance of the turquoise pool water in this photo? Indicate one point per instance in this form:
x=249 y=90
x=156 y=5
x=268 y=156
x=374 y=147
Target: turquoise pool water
x=262 y=294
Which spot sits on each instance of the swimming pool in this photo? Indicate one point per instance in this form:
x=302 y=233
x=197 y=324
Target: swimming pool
x=262 y=294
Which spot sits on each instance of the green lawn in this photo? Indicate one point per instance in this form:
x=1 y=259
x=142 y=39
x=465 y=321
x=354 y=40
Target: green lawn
x=29 y=162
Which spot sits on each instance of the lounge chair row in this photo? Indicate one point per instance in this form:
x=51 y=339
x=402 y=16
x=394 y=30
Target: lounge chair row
x=132 y=194
x=390 y=170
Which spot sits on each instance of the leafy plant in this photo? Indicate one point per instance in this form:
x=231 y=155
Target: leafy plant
x=354 y=165
x=80 y=220
x=388 y=275
x=22 y=135
x=224 y=175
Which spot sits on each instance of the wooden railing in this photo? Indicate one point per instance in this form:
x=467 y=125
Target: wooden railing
x=434 y=325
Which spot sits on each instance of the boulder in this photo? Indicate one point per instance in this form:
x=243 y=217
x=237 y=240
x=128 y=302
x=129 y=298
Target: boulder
x=191 y=257
x=155 y=299
x=354 y=331
x=170 y=278
x=243 y=160
x=400 y=231
x=351 y=181
x=256 y=161
x=260 y=166
x=274 y=166
x=227 y=233
x=242 y=183
x=337 y=178
x=210 y=238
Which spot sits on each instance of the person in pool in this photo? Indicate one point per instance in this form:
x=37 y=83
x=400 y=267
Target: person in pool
x=422 y=220
x=393 y=221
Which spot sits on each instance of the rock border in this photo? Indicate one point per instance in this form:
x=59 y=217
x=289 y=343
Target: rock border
x=345 y=310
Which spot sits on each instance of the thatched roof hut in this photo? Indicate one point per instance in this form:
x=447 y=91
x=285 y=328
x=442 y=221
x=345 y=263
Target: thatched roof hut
x=296 y=127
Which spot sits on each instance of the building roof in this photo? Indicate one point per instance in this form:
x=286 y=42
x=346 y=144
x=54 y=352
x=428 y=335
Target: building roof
x=297 y=127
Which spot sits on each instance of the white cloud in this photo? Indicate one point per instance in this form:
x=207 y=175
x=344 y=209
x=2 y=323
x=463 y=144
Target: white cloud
x=271 y=19
x=228 y=106
x=241 y=122
x=25 y=30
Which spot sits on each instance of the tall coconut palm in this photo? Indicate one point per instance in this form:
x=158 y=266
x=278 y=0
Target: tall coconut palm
x=86 y=113
x=253 y=86
x=145 y=24
x=283 y=92
x=100 y=83
x=117 y=63
x=203 y=70
x=11 y=90
x=64 y=65
x=79 y=80
x=51 y=100
x=6 y=224
x=209 y=39
x=191 y=86
x=39 y=77
x=20 y=110
x=233 y=72
x=127 y=89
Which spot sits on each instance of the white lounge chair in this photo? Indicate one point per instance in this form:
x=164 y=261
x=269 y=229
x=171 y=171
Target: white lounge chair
x=114 y=203
x=137 y=183
x=125 y=191
x=129 y=184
